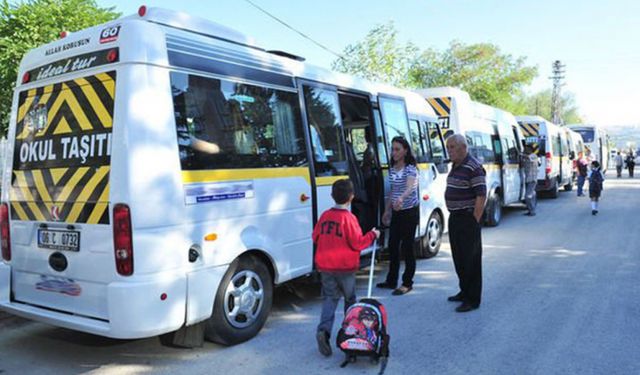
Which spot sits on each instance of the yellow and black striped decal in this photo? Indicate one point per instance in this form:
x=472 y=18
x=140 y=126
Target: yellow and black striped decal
x=62 y=154
x=442 y=106
x=531 y=133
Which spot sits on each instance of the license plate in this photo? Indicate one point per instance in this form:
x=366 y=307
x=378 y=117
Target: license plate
x=59 y=239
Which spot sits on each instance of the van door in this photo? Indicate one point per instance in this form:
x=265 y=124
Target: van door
x=59 y=197
x=510 y=164
x=328 y=145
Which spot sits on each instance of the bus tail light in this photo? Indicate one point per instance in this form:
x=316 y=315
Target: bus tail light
x=5 y=235
x=122 y=239
x=26 y=78
x=547 y=169
x=142 y=11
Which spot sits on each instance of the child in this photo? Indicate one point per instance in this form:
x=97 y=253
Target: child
x=596 y=178
x=339 y=240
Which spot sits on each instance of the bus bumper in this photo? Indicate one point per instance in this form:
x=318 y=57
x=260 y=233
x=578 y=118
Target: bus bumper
x=136 y=309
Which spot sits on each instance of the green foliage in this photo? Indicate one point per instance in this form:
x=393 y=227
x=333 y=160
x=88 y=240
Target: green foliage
x=540 y=104
x=483 y=70
x=379 y=57
x=29 y=24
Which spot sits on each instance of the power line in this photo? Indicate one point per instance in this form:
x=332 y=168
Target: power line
x=295 y=30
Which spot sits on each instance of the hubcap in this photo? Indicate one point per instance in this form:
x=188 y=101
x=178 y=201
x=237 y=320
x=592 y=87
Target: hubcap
x=243 y=299
x=433 y=233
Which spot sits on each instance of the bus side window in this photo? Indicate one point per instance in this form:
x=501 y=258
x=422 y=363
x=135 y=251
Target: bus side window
x=396 y=121
x=382 y=149
x=416 y=142
x=325 y=128
x=228 y=125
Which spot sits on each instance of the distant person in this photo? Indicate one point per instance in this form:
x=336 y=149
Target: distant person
x=619 y=164
x=465 y=197
x=631 y=163
x=583 y=168
x=596 y=180
x=339 y=241
x=530 y=164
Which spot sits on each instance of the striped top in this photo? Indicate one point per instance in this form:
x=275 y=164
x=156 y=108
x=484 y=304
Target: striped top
x=465 y=182
x=398 y=182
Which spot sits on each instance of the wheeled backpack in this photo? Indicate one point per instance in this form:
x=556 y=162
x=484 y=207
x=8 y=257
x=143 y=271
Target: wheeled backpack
x=364 y=328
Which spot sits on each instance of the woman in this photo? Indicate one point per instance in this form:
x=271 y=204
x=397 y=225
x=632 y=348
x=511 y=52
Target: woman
x=402 y=210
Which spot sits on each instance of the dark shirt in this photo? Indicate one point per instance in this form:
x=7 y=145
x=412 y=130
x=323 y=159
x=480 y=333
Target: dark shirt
x=465 y=183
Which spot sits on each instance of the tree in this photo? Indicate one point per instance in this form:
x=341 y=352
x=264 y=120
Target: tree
x=490 y=76
x=379 y=57
x=29 y=24
x=540 y=104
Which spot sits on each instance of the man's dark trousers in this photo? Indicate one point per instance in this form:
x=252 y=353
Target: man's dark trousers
x=466 y=248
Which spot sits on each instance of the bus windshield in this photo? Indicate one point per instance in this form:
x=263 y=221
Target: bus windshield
x=587 y=134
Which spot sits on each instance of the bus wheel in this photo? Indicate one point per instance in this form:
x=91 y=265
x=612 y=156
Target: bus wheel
x=242 y=303
x=432 y=239
x=494 y=212
x=569 y=186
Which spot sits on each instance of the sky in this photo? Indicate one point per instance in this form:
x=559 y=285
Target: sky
x=598 y=41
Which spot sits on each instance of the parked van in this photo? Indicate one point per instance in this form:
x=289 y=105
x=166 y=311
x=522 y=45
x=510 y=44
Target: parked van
x=576 y=146
x=596 y=142
x=164 y=170
x=494 y=138
x=551 y=144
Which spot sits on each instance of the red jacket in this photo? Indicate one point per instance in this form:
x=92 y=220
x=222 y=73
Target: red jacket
x=339 y=241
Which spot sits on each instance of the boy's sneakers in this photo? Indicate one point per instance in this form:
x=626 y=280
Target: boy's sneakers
x=594 y=212
x=323 y=343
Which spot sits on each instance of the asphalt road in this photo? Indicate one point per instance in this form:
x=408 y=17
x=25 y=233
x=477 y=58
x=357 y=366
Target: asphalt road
x=561 y=296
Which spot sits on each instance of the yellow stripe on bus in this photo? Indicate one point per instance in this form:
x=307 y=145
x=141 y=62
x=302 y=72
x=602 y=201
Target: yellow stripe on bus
x=83 y=197
x=437 y=107
x=328 y=180
x=108 y=82
x=26 y=193
x=19 y=211
x=22 y=111
x=57 y=173
x=100 y=207
x=68 y=188
x=95 y=102
x=221 y=175
x=42 y=188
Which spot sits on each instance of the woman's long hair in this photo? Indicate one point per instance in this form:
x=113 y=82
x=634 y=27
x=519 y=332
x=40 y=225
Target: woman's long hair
x=409 y=159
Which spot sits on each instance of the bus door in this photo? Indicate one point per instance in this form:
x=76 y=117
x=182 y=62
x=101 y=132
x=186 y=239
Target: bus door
x=362 y=155
x=510 y=163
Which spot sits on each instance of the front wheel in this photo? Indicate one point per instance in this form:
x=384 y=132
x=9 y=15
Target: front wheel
x=429 y=244
x=242 y=303
x=494 y=212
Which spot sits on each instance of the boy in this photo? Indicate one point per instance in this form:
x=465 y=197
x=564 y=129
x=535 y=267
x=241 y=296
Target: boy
x=596 y=178
x=339 y=241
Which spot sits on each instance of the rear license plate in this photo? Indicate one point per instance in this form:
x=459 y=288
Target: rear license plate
x=59 y=239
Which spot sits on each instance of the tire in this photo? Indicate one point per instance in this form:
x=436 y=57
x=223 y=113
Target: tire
x=429 y=244
x=242 y=303
x=569 y=186
x=555 y=190
x=494 y=211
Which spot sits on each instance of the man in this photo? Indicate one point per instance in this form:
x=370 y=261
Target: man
x=530 y=164
x=583 y=168
x=619 y=164
x=465 y=197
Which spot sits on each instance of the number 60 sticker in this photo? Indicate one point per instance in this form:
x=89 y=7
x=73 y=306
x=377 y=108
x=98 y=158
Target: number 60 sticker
x=110 y=34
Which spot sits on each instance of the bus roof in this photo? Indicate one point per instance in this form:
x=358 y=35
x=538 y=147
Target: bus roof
x=145 y=38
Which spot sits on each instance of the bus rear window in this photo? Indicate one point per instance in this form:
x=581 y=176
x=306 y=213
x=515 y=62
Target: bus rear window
x=228 y=125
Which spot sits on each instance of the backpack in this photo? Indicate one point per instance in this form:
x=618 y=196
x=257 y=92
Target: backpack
x=364 y=329
x=596 y=180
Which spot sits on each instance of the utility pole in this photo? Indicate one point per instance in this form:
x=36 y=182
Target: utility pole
x=557 y=77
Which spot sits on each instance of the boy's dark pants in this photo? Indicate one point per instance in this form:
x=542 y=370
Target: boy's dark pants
x=334 y=286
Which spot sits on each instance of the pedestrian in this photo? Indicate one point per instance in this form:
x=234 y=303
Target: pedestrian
x=583 y=168
x=631 y=163
x=403 y=213
x=619 y=164
x=530 y=164
x=339 y=241
x=596 y=179
x=465 y=197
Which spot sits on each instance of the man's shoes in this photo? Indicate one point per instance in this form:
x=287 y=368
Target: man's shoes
x=457 y=298
x=385 y=285
x=466 y=307
x=402 y=290
x=594 y=212
x=323 y=343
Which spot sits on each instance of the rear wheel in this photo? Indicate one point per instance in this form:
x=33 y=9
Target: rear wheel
x=569 y=186
x=494 y=211
x=555 y=190
x=242 y=303
x=429 y=244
